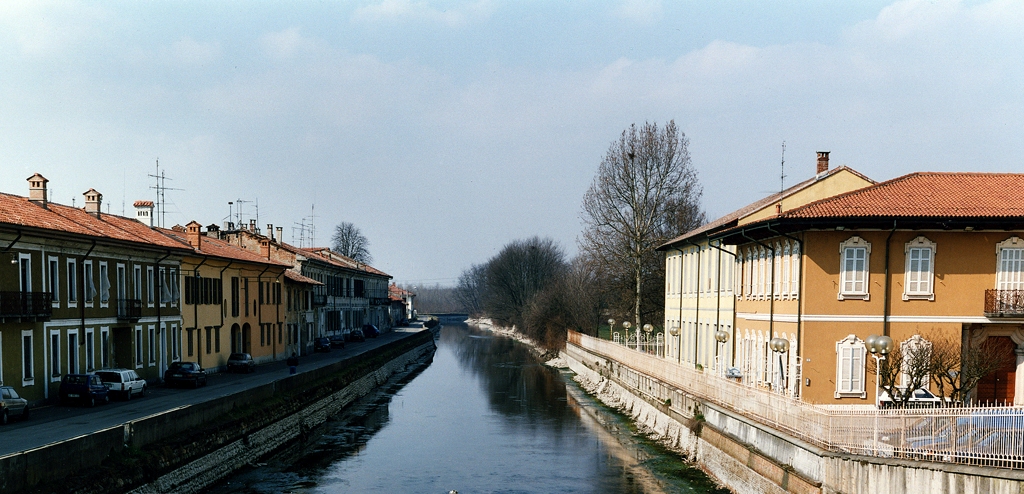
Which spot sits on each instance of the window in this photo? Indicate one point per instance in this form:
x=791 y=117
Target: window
x=105 y=347
x=90 y=350
x=784 y=265
x=235 y=293
x=853 y=277
x=54 y=280
x=794 y=279
x=55 y=355
x=850 y=368
x=25 y=272
x=1010 y=271
x=104 y=284
x=73 y=352
x=777 y=272
x=216 y=339
x=209 y=340
x=27 y=374
x=122 y=282
x=90 y=284
x=138 y=347
x=152 y=345
x=150 y=285
x=72 y=283
x=137 y=283
x=173 y=282
x=918 y=283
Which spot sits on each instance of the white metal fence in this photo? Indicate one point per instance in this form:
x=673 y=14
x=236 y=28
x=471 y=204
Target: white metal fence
x=650 y=343
x=991 y=436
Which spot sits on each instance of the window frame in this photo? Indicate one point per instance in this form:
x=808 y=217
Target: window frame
x=28 y=359
x=1014 y=244
x=919 y=244
x=855 y=346
x=853 y=244
x=53 y=279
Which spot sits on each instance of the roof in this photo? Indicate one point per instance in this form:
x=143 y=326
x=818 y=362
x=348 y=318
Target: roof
x=291 y=274
x=215 y=247
x=732 y=218
x=331 y=257
x=18 y=211
x=926 y=195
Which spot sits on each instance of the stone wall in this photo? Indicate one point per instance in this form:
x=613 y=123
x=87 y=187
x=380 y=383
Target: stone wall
x=748 y=457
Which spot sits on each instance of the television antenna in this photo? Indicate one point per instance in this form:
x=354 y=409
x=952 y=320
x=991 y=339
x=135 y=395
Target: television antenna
x=161 y=191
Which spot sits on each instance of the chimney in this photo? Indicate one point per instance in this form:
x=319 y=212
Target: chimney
x=252 y=226
x=193 y=234
x=93 y=201
x=265 y=247
x=37 y=189
x=270 y=231
x=822 y=162
x=144 y=212
x=280 y=234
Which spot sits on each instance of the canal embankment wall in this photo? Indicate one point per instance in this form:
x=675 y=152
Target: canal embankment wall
x=750 y=457
x=185 y=449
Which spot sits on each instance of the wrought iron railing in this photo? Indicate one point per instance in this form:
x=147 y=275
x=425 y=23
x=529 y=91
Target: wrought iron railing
x=1004 y=303
x=976 y=435
x=129 y=309
x=26 y=304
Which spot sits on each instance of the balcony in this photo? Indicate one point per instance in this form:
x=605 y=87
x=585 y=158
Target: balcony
x=129 y=309
x=26 y=305
x=1004 y=303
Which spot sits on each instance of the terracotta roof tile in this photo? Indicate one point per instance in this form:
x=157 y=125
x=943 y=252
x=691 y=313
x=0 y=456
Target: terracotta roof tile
x=291 y=274
x=926 y=195
x=218 y=248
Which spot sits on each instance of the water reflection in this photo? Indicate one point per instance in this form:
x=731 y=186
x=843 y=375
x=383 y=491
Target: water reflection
x=485 y=416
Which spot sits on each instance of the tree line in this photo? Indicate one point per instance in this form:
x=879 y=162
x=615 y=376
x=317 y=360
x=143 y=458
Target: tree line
x=645 y=192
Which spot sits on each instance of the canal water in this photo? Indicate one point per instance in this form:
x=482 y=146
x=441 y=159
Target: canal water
x=484 y=416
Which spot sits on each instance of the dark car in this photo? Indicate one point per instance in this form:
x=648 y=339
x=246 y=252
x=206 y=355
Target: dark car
x=185 y=373
x=83 y=388
x=321 y=345
x=12 y=405
x=337 y=340
x=370 y=331
x=355 y=335
x=241 y=362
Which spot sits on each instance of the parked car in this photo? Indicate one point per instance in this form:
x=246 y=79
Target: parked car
x=337 y=340
x=185 y=373
x=370 y=331
x=83 y=388
x=124 y=382
x=920 y=398
x=12 y=405
x=241 y=362
x=355 y=335
x=321 y=345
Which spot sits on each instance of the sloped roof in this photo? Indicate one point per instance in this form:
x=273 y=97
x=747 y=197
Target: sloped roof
x=337 y=259
x=293 y=275
x=216 y=247
x=926 y=195
x=732 y=218
x=20 y=211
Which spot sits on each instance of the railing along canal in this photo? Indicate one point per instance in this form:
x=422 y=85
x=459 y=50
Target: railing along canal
x=990 y=436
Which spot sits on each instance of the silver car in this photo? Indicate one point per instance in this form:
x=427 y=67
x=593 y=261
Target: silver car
x=12 y=405
x=124 y=382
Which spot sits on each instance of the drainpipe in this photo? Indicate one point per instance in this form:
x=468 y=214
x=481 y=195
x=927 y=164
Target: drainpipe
x=888 y=282
x=16 y=239
x=195 y=311
x=771 y=285
x=696 y=310
x=718 y=307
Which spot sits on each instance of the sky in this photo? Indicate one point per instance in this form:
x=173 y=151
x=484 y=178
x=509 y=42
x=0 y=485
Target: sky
x=445 y=130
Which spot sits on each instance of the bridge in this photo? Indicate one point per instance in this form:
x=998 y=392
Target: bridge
x=449 y=317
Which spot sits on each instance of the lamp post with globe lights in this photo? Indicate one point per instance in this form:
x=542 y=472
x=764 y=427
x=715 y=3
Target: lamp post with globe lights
x=721 y=337
x=673 y=330
x=879 y=346
x=647 y=329
x=780 y=346
x=626 y=325
x=611 y=329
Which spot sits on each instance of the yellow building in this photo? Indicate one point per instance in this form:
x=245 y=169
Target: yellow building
x=231 y=301
x=702 y=277
x=920 y=257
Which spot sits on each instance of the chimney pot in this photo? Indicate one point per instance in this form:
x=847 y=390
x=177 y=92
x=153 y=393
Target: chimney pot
x=822 y=161
x=280 y=234
x=270 y=231
x=93 y=202
x=37 y=189
x=144 y=212
x=193 y=233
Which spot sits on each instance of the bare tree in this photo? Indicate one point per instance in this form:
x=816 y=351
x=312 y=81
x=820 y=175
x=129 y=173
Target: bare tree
x=350 y=242
x=904 y=370
x=519 y=272
x=958 y=368
x=646 y=192
x=470 y=289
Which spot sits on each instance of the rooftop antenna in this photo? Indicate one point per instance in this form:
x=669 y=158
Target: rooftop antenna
x=161 y=190
x=782 y=175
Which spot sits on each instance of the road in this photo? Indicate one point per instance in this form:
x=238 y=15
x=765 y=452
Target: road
x=51 y=424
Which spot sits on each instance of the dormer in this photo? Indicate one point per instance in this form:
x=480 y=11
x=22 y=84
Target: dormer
x=37 y=189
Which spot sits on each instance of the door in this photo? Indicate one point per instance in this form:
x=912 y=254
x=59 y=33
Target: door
x=998 y=386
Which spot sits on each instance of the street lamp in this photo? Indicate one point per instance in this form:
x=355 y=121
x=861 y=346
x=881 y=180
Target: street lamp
x=611 y=329
x=673 y=329
x=879 y=346
x=780 y=346
x=647 y=328
x=721 y=336
x=627 y=325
